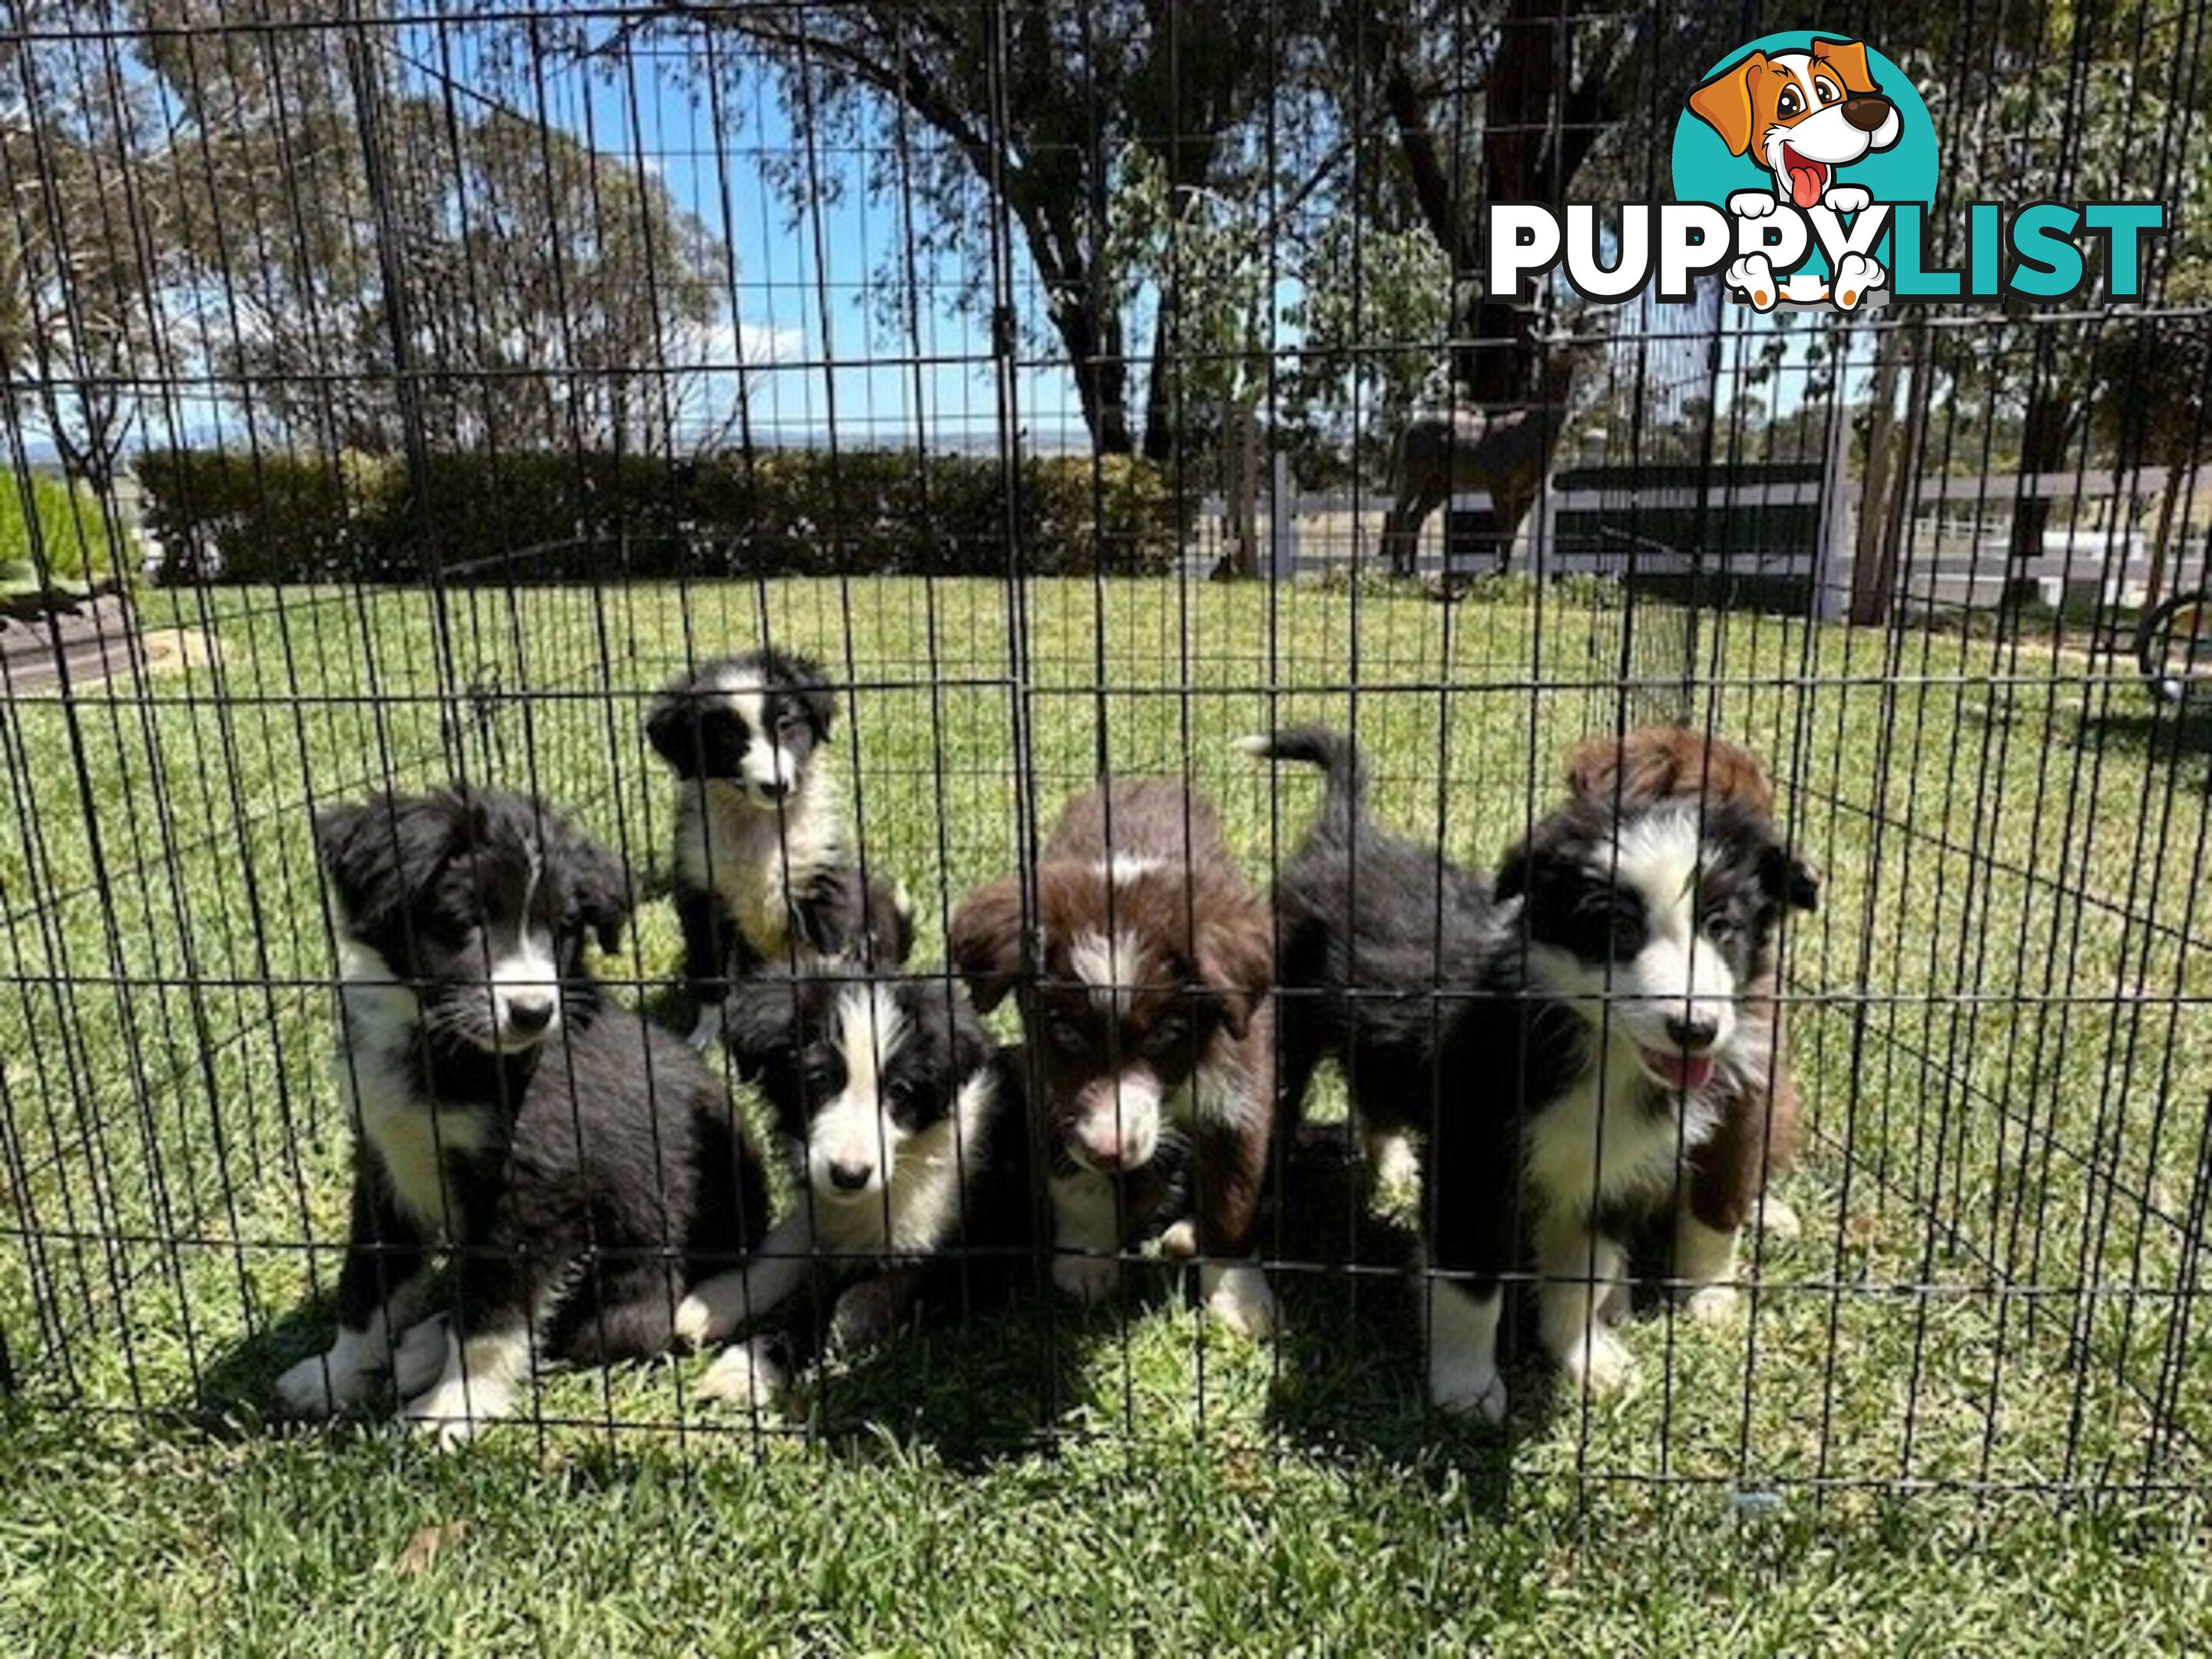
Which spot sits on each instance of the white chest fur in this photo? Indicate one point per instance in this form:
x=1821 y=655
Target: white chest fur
x=753 y=858
x=930 y=1178
x=1591 y=1146
x=412 y=1137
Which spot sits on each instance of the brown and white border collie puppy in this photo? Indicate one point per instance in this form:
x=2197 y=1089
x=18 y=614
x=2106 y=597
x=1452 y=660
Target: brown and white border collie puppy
x=1148 y=1019
x=1756 y=1137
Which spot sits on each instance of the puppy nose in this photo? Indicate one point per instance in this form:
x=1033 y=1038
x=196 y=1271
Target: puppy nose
x=1103 y=1153
x=849 y=1177
x=1866 y=113
x=776 y=788
x=529 y=1015
x=1693 y=1035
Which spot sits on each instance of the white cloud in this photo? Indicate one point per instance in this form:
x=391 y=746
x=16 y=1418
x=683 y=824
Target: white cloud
x=724 y=345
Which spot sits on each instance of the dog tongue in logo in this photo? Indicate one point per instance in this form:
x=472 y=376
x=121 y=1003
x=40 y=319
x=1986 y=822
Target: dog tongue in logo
x=1805 y=176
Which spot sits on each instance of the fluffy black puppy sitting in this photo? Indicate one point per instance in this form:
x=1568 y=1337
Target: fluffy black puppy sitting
x=765 y=871
x=584 y=1168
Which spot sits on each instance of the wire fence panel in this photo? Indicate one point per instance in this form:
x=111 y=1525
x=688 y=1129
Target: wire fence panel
x=404 y=397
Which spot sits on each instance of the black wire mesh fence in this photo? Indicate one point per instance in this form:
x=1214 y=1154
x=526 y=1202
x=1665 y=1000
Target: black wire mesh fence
x=423 y=387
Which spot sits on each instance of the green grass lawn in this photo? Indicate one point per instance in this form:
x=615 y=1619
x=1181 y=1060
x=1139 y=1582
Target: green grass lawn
x=1967 y=1409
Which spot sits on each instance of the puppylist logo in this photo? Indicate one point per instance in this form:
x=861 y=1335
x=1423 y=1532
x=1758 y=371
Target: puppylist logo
x=1804 y=168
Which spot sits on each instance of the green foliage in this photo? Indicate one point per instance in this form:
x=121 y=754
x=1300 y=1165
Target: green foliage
x=230 y=518
x=72 y=535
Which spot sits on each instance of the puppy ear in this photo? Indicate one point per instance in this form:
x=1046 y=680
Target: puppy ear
x=1236 y=960
x=814 y=696
x=1724 y=103
x=760 y=1023
x=672 y=727
x=1849 y=57
x=1594 y=769
x=971 y=1044
x=1512 y=881
x=1789 y=880
x=985 y=940
x=1802 y=891
x=602 y=890
x=359 y=847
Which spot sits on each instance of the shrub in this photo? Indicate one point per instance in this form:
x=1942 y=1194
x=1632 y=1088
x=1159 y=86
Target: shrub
x=224 y=517
x=562 y=517
x=74 y=534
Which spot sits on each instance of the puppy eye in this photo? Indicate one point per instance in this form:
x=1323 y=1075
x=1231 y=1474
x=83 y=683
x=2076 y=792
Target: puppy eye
x=1063 y=1032
x=1788 y=103
x=786 y=724
x=1723 y=929
x=1168 y=1035
x=1829 y=91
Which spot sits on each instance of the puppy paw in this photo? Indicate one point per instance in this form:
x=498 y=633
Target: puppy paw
x=1777 y=1221
x=1857 y=276
x=1847 y=199
x=1088 y=1279
x=1467 y=1389
x=867 y=1316
x=1752 y=276
x=452 y=1414
x=1180 y=1241
x=1601 y=1364
x=421 y=1357
x=319 y=1386
x=1713 y=1306
x=1238 y=1295
x=747 y=1377
x=711 y=1310
x=1751 y=203
x=708 y=1031
x=1615 y=1307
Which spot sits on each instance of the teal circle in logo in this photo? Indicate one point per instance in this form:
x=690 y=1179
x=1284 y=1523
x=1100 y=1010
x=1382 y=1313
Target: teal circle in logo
x=1706 y=170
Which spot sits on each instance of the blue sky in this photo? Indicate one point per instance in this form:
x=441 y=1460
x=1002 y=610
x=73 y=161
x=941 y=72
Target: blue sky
x=803 y=315
x=821 y=359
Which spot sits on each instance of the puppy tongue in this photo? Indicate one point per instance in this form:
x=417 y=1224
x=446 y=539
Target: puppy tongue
x=1687 y=1074
x=1804 y=185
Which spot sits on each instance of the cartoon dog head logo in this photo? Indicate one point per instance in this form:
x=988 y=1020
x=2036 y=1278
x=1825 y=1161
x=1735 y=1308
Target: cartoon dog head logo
x=1807 y=112
x=1792 y=134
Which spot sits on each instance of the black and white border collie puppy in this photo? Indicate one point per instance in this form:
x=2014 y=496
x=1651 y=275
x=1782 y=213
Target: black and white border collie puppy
x=1560 y=1037
x=906 y=1145
x=765 y=871
x=583 y=1167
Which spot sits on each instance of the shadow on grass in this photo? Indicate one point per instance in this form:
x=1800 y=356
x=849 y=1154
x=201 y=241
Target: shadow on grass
x=1351 y=1379
x=993 y=1371
x=2152 y=733
x=236 y=1399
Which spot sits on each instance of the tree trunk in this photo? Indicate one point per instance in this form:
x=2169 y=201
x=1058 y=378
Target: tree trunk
x=1102 y=374
x=1240 y=492
x=2178 y=469
x=1874 y=559
x=1161 y=433
x=2042 y=447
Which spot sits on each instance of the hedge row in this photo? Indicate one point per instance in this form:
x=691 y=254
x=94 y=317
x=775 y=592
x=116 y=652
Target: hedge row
x=230 y=518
